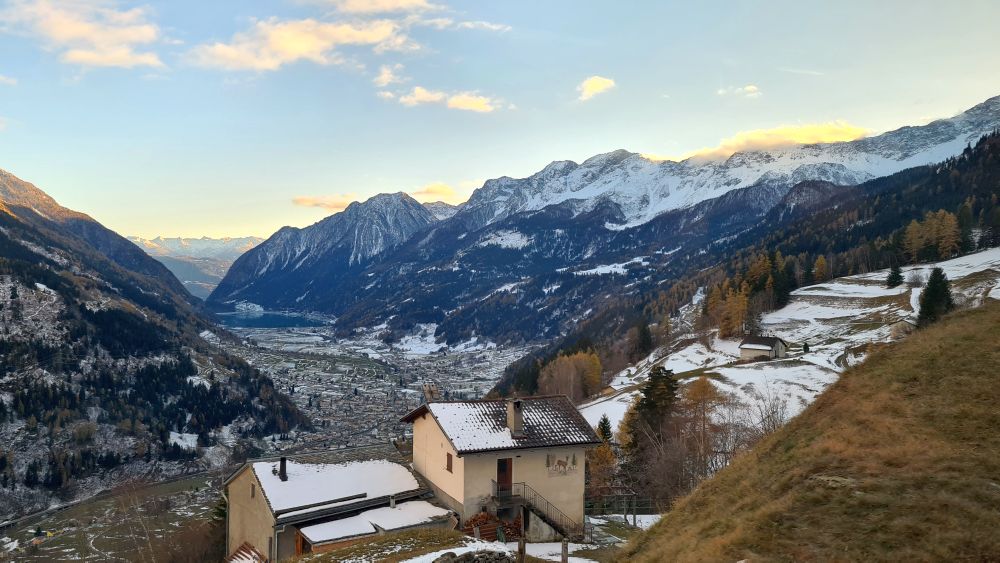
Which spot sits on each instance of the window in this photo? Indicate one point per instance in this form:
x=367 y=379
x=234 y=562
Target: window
x=448 y=463
x=253 y=490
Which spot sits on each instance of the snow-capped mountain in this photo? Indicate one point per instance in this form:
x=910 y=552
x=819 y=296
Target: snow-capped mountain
x=285 y=268
x=442 y=210
x=227 y=248
x=643 y=188
x=523 y=257
x=200 y=263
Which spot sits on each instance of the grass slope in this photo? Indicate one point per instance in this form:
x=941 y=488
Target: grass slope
x=898 y=460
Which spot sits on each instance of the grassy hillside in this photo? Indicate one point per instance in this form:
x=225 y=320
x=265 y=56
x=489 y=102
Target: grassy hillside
x=899 y=460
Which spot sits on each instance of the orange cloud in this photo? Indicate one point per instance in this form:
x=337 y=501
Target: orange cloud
x=438 y=191
x=471 y=102
x=593 y=86
x=272 y=43
x=466 y=101
x=420 y=95
x=335 y=203
x=776 y=137
x=88 y=33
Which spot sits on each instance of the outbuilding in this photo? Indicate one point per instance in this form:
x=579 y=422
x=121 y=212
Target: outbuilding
x=762 y=348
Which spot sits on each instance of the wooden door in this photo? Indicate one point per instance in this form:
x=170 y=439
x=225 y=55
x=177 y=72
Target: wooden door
x=505 y=476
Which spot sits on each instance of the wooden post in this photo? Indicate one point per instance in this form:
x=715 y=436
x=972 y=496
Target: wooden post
x=521 y=549
x=475 y=532
x=565 y=551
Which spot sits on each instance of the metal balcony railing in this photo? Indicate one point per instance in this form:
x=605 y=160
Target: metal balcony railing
x=542 y=507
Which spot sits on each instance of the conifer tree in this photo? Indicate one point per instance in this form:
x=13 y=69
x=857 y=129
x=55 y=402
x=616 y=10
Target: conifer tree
x=935 y=300
x=604 y=428
x=895 y=277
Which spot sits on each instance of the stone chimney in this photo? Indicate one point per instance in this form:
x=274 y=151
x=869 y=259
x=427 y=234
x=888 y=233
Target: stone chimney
x=283 y=469
x=515 y=417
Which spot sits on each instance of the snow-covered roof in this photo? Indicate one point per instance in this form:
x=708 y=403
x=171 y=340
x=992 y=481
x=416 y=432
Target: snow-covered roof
x=318 y=486
x=761 y=342
x=338 y=529
x=481 y=426
x=405 y=515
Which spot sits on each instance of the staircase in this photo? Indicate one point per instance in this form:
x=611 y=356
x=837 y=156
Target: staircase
x=522 y=493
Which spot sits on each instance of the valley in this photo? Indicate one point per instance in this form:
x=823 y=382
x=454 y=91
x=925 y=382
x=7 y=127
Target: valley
x=356 y=390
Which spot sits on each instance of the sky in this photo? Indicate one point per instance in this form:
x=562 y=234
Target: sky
x=237 y=117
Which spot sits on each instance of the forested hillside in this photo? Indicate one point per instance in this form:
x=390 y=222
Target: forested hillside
x=818 y=231
x=104 y=374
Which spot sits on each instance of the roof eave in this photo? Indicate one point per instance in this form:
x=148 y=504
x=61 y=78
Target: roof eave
x=522 y=448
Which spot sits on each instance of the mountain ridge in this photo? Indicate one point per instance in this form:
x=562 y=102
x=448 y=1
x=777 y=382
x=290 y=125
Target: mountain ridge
x=516 y=237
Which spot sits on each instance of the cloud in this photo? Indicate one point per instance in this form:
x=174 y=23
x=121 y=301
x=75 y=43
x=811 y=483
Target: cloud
x=442 y=23
x=8 y=81
x=87 y=32
x=420 y=95
x=748 y=91
x=466 y=101
x=385 y=95
x=382 y=6
x=487 y=26
x=437 y=191
x=804 y=71
x=776 y=137
x=593 y=86
x=387 y=75
x=337 y=202
x=471 y=102
x=272 y=43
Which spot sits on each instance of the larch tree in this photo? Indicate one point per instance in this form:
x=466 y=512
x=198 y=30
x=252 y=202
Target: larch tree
x=820 y=270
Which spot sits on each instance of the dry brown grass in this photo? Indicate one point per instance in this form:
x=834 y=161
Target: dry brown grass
x=899 y=460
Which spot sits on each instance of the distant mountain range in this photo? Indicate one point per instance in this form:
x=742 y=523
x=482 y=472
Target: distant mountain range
x=525 y=258
x=200 y=263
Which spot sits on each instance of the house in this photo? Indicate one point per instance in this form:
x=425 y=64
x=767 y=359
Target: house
x=504 y=456
x=763 y=348
x=282 y=507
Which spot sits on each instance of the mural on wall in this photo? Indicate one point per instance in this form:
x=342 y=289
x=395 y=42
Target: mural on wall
x=561 y=464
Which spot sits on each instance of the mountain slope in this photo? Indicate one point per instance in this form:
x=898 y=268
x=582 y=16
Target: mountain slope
x=283 y=270
x=644 y=188
x=107 y=368
x=525 y=259
x=35 y=207
x=896 y=461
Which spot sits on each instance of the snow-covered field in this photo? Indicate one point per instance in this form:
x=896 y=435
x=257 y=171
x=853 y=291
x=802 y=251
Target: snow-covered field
x=838 y=319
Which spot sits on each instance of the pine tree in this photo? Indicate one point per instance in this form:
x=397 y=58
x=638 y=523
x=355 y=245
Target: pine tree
x=895 y=278
x=604 y=429
x=659 y=394
x=935 y=300
x=807 y=274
